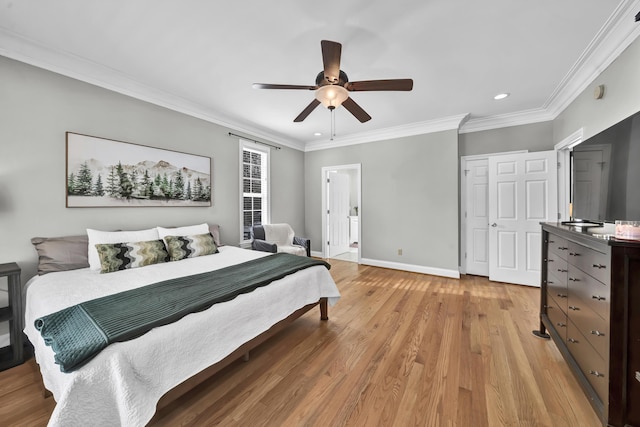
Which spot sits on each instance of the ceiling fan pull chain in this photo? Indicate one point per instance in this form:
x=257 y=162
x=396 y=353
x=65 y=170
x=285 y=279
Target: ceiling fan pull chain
x=333 y=123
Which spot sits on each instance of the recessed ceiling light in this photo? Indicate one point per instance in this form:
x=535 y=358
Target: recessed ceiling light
x=317 y=134
x=500 y=96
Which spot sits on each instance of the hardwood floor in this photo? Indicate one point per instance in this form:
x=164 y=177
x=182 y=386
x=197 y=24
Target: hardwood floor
x=399 y=349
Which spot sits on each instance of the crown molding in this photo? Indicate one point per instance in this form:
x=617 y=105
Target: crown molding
x=30 y=52
x=617 y=33
x=506 y=120
x=431 y=126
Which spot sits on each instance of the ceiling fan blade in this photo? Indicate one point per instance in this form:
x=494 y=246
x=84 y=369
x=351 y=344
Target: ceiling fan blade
x=307 y=111
x=356 y=110
x=395 y=84
x=331 y=52
x=275 y=86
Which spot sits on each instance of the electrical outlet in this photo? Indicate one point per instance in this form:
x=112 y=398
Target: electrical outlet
x=399 y=251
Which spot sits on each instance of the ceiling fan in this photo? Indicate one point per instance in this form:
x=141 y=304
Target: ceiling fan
x=333 y=86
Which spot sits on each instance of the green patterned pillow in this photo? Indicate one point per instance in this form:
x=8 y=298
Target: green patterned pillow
x=121 y=256
x=181 y=247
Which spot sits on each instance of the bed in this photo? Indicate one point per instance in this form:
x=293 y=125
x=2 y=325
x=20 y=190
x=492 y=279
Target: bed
x=124 y=383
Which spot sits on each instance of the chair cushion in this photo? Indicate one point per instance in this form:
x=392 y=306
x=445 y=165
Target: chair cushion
x=280 y=234
x=292 y=249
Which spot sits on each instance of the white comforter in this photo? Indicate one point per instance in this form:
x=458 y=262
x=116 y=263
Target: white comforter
x=122 y=385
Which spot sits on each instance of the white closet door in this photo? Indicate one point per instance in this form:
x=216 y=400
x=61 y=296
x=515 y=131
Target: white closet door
x=522 y=194
x=477 y=217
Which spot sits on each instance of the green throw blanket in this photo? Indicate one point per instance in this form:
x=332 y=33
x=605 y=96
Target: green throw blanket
x=79 y=333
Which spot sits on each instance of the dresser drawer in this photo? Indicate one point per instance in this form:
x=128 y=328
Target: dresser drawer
x=557 y=265
x=592 y=262
x=592 y=365
x=557 y=316
x=584 y=290
x=594 y=328
x=558 y=245
x=557 y=287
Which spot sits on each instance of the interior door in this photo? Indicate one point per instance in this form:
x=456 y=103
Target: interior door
x=477 y=217
x=338 y=213
x=522 y=193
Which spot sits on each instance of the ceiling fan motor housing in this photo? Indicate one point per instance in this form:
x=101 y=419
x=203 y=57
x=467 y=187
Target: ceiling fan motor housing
x=321 y=81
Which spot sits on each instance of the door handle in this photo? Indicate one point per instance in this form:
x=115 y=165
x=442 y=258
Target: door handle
x=494 y=225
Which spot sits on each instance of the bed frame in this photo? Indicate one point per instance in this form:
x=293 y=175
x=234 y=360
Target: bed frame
x=242 y=351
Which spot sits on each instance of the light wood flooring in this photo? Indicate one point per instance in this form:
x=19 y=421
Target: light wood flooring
x=399 y=349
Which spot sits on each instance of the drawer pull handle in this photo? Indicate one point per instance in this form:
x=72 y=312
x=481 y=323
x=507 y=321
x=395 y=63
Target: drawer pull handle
x=550 y=282
x=599 y=266
x=573 y=279
x=574 y=308
x=596 y=373
x=571 y=340
x=550 y=260
x=561 y=270
x=562 y=295
x=562 y=248
x=597 y=333
x=574 y=253
x=562 y=325
x=598 y=297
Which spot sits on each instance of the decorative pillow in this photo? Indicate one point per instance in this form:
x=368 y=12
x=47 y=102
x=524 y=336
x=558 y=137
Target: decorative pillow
x=121 y=256
x=181 y=247
x=189 y=230
x=97 y=236
x=61 y=253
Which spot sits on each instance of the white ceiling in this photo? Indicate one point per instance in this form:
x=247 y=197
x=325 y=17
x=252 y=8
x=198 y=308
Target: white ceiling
x=201 y=57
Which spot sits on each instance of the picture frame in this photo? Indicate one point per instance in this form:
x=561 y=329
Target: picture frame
x=104 y=172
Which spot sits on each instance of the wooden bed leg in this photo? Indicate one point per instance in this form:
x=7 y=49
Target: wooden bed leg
x=245 y=357
x=324 y=309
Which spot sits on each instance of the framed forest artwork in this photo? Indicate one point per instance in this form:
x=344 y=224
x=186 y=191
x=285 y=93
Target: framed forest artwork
x=106 y=173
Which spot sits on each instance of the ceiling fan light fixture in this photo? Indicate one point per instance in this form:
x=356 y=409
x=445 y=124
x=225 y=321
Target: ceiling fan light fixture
x=332 y=96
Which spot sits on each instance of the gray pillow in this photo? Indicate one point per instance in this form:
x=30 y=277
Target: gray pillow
x=61 y=253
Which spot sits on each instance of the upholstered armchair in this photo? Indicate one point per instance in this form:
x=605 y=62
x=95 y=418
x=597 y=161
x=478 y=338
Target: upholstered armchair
x=279 y=238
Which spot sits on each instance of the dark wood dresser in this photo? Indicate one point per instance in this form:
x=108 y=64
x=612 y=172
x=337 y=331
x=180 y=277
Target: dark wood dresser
x=590 y=307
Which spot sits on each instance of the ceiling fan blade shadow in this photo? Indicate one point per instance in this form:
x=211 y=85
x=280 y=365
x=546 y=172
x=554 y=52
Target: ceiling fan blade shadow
x=356 y=110
x=331 y=52
x=312 y=106
x=371 y=85
x=277 y=86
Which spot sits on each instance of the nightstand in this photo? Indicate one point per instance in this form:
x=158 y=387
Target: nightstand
x=13 y=354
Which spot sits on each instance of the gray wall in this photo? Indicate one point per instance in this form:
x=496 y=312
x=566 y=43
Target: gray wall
x=37 y=108
x=532 y=137
x=409 y=198
x=621 y=98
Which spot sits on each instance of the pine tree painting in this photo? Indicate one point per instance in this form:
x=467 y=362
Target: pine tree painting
x=102 y=172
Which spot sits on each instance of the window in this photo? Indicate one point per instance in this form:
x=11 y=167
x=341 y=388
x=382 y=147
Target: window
x=254 y=187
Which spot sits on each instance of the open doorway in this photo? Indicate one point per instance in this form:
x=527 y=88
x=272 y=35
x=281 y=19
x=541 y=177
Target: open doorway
x=341 y=212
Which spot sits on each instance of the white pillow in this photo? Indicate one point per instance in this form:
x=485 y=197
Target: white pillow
x=189 y=230
x=97 y=236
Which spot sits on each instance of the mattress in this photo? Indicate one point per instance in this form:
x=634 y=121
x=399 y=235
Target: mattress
x=122 y=385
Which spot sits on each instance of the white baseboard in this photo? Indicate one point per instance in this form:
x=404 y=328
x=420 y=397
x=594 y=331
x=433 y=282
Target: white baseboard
x=454 y=274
